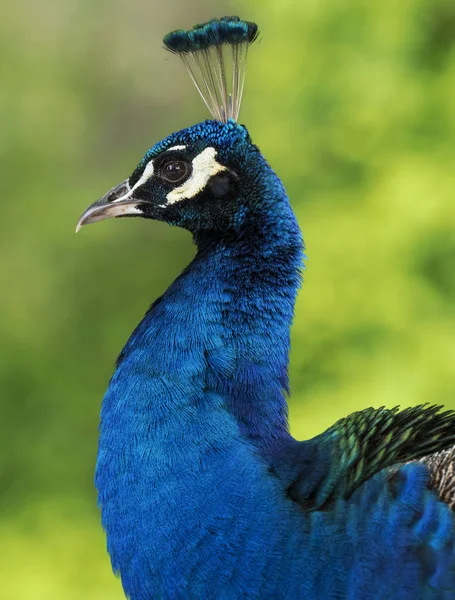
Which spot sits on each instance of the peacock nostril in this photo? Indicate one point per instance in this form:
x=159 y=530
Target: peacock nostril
x=117 y=192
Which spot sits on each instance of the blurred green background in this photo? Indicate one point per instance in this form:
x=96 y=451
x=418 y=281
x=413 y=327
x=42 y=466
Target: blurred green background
x=352 y=102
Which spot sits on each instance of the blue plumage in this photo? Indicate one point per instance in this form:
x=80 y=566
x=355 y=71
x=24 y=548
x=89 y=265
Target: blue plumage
x=203 y=492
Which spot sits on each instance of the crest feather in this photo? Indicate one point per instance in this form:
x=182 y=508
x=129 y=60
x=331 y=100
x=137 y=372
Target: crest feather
x=215 y=56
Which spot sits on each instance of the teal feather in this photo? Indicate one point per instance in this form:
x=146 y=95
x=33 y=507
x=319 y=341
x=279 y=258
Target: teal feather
x=227 y=30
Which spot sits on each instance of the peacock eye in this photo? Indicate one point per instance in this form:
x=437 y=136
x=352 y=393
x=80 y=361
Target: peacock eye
x=175 y=171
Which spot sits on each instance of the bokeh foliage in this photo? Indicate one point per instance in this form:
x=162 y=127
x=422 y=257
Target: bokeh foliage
x=351 y=102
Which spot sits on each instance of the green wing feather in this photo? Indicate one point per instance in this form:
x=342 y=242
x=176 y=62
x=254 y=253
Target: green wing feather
x=364 y=443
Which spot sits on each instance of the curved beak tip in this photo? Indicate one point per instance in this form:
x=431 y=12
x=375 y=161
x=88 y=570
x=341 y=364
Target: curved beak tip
x=117 y=202
x=85 y=218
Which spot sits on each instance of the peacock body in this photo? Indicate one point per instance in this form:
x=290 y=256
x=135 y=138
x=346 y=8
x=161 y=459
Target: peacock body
x=203 y=491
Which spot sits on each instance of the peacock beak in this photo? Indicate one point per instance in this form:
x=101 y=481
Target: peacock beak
x=118 y=202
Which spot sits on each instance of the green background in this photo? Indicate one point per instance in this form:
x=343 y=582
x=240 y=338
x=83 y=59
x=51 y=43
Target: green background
x=353 y=104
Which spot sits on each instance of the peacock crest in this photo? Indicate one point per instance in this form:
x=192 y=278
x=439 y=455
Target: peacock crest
x=215 y=56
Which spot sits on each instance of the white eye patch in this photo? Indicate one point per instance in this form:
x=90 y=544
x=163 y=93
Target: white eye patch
x=176 y=148
x=204 y=167
x=149 y=169
x=148 y=172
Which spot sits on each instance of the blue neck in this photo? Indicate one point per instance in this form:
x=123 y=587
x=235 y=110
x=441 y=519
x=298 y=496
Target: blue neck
x=231 y=308
x=203 y=376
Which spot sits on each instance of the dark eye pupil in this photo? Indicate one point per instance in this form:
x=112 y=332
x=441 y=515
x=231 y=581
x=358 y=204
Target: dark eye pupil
x=175 y=171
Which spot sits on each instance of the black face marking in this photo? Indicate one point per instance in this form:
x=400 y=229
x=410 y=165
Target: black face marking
x=222 y=184
x=191 y=187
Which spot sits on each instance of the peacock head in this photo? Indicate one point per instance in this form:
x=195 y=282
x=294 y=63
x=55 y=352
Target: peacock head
x=203 y=177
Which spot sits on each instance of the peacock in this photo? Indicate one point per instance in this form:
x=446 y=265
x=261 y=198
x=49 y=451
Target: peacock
x=203 y=491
